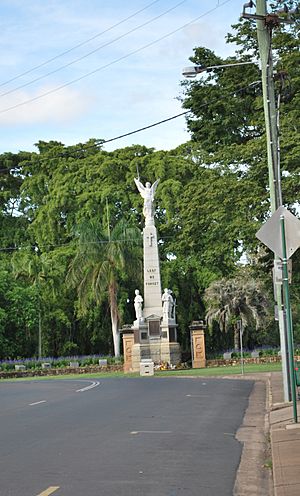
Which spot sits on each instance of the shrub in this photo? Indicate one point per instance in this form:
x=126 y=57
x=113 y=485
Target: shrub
x=60 y=362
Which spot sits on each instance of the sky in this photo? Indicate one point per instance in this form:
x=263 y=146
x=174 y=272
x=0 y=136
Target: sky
x=72 y=70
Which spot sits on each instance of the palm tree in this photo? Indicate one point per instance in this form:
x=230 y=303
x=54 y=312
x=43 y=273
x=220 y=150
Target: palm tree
x=238 y=299
x=99 y=264
x=34 y=267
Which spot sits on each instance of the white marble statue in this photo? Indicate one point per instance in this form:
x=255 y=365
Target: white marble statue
x=147 y=193
x=168 y=304
x=138 y=300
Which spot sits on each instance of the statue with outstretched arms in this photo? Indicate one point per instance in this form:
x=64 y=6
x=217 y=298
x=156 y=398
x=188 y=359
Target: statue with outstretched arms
x=147 y=193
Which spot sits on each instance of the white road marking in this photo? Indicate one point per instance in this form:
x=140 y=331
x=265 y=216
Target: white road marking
x=48 y=491
x=151 y=432
x=198 y=395
x=87 y=388
x=92 y=384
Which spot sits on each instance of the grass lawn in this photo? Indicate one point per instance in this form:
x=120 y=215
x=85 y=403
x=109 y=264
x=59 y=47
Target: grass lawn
x=208 y=372
x=225 y=370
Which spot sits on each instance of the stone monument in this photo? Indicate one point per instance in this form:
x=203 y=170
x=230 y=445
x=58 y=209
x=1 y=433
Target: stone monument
x=152 y=284
x=155 y=328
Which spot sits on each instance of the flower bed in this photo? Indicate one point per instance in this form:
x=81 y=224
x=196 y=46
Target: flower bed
x=60 y=362
x=60 y=371
x=88 y=369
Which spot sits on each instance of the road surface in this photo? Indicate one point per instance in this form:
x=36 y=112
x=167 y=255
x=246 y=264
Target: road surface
x=121 y=437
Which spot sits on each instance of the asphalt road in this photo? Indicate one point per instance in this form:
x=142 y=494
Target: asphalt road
x=121 y=437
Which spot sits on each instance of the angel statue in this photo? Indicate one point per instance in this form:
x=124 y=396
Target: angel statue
x=147 y=192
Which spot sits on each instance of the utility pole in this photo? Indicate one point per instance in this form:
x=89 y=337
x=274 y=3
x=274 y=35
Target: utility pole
x=265 y=23
x=264 y=34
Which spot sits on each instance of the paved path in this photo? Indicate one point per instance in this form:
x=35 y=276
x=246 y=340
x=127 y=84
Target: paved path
x=122 y=437
x=285 y=442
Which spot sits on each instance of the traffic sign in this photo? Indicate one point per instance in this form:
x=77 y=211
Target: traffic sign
x=270 y=233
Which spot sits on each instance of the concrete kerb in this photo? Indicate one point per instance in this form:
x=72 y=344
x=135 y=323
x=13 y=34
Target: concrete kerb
x=282 y=443
x=254 y=476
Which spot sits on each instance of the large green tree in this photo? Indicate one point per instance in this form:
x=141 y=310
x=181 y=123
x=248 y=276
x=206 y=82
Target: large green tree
x=211 y=200
x=226 y=122
x=102 y=259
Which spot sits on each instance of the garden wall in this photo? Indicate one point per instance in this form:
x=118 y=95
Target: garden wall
x=60 y=371
x=13 y=374
x=237 y=361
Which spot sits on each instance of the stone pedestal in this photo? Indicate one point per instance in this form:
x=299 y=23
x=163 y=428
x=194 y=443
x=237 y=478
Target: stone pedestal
x=171 y=353
x=169 y=331
x=198 y=345
x=156 y=350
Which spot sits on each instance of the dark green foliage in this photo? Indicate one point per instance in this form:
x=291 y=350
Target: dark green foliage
x=212 y=198
x=102 y=261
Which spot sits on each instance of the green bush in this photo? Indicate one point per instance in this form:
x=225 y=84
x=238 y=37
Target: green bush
x=70 y=348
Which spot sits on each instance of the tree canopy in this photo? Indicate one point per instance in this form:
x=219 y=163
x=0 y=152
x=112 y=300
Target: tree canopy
x=212 y=198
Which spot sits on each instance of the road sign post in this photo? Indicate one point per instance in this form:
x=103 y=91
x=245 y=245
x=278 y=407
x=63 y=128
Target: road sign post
x=241 y=330
x=281 y=233
x=286 y=294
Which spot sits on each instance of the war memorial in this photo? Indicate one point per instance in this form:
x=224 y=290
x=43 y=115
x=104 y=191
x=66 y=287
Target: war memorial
x=153 y=334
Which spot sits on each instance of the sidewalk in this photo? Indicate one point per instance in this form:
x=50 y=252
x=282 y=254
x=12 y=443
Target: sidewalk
x=285 y=441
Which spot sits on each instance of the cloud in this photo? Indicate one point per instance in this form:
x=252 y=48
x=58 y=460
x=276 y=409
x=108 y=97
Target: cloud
x=209 y=35
x=195 y=35
x=62 y=106
x=133 y=91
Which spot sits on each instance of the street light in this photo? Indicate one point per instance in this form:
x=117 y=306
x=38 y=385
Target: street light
x=193 y=70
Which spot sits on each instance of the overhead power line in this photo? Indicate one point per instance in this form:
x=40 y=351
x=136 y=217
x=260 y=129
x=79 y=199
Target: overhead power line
x=108 y=43
x=97 y=35
x=146 y=127
x=157 y=123
x=109 y=64
x=239 y=90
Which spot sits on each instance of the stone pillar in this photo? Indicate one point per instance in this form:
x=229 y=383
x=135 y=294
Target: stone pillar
x=198 y=344
x=128 y=341
x=152 y=284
